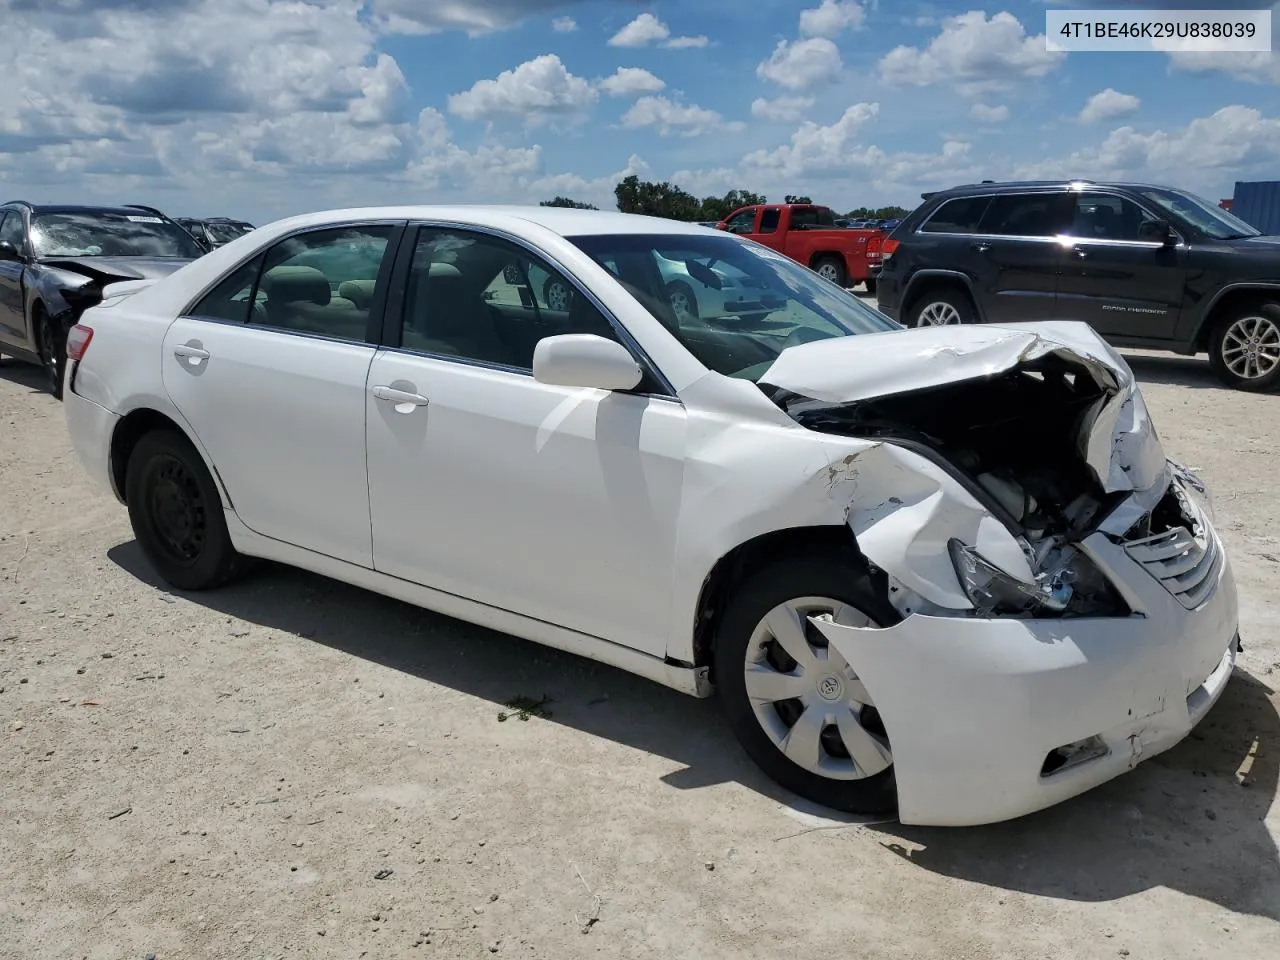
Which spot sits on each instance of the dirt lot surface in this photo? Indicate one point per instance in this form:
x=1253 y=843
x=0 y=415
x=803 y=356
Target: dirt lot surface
x=230 y=774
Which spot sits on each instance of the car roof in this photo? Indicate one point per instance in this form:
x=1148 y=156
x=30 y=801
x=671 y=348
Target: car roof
x=1013 y=186
x=79 y=208
x=565 y=221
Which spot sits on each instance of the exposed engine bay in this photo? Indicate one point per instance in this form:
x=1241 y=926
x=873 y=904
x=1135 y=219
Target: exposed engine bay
x=1018 y=441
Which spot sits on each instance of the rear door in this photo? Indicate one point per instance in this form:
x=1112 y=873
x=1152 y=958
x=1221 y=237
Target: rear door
x=771 y=228
x=1114 y=279
x=269 y=369
x=1017 y=255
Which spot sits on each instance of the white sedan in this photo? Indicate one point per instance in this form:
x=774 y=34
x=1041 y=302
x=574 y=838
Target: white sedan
x=946 y=569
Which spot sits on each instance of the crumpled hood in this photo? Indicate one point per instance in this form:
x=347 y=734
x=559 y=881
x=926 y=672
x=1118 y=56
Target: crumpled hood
x=1120 y=446
x=107 y=269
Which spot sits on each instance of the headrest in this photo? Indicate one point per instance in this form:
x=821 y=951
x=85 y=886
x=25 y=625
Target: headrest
x=359 y=292
x=294 y=284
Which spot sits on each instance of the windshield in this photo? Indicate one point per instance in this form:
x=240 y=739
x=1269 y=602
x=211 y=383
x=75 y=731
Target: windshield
x=97 y=233
x=1209 y=218
x=734 y=304
x=226 y=232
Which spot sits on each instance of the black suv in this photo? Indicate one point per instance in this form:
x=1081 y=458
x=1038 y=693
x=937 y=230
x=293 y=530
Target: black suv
x=1146 y=266
x=213 y=232
x=55 y=261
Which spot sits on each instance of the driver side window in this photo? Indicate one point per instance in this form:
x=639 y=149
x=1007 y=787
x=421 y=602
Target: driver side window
x=743 y=222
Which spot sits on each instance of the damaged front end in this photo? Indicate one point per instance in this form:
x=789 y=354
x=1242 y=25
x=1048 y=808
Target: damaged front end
x=1042 y=425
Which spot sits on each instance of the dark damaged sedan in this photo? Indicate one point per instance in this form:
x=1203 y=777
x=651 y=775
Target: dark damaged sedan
x=55 y=261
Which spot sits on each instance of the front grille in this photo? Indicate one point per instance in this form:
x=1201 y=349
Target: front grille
x=1185 y=561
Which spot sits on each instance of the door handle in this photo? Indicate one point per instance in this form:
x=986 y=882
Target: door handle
x=399 y=397
x=1080 y=254
x=982 y=247
x=191 y=351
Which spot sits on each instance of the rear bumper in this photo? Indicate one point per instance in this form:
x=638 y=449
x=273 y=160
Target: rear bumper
x=974 y=708
x=91 y=427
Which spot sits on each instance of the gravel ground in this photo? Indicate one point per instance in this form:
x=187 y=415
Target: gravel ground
x=296 y=768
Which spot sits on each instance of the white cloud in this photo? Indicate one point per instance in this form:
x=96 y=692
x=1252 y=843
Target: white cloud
x=975 y=53
x=1108 y=104
x=817 y=148
x=830 y=19
x=537 y=90
x=630 y=81
x=564 y=25
x=1231 y=143
x=984 y=113
x=475 y=17
x=646 y=29
x=802 y=63
x=781 y=109
x=1251 y=67
x=668 y=118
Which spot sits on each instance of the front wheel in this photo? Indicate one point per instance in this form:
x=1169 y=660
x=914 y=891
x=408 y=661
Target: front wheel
x=53 y=353
x=176 y=513
x=831 y=269
x=683 y=303
x=1244 y=350
x=556 y=295
x=795 y=704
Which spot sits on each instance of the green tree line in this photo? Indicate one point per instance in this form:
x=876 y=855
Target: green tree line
x=664 y=199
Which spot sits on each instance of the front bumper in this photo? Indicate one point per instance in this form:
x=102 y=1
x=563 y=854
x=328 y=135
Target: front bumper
x=91 y=427
x=974 y=707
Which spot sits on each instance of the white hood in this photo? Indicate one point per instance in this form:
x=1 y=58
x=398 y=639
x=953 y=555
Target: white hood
x=1121 y=446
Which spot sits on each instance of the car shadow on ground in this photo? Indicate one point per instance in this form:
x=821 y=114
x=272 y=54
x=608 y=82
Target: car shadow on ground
x=24 y=374
x=1182 y=820
x=1175 y=371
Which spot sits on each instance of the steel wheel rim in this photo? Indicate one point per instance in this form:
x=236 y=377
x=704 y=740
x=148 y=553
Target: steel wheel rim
x=817 y=713
x=1251 y=347
x=828 y=271
x=681 y=305
x=558 y=296
x=48 y=358
x=177 y=510
x=938 y=314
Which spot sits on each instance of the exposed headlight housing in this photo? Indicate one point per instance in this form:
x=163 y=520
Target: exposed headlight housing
x=1194 y=488
x=1070 y=585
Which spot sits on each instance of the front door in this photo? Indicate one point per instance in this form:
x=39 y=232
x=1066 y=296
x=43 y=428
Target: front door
x=555 y=503
x=270 y=370
x=1017 y=256
x=1116 y=277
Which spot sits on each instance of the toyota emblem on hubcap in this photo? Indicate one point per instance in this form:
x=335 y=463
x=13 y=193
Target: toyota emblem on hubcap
x=830 y=688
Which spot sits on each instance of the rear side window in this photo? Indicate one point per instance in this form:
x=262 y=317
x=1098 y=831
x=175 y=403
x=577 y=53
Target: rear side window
x=1027 y=215
x=230 y=299
x=961 y=215
x=769 y=220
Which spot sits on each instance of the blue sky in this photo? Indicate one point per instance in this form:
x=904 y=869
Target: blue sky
x=261 y=108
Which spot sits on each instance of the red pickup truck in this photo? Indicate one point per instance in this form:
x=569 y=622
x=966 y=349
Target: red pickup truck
x=808 y=234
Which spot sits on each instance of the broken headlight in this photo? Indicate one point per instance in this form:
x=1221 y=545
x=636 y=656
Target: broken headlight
x=1194 y=488
x=1069 y=585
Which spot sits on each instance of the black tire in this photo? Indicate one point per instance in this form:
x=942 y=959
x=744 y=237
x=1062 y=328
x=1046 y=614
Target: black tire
x=190 y=547
x=679 y=287
x=1266 y=322
x=871 y=288
x=547 y=286
x=954 y=297
x=839 y=276
x=840 y=578
x=51 y=345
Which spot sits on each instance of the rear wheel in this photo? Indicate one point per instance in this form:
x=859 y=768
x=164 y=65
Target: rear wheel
x=1245 y=348
x=176 y=513
x=942 y=307
x=556 y=295
x=832 y=269
x=683 y=303
x=797 y=707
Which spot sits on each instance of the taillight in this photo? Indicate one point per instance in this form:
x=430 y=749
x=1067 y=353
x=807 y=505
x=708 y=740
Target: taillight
x=890 y=247
x=78 y=338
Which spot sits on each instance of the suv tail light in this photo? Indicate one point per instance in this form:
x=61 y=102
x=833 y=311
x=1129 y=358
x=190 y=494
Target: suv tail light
x=78 y=338
x=889 y=248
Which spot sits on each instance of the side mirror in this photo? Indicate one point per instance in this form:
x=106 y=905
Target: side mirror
x=722 y=225
x=585 y=360
x=8 y=251
x=1158 y=231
